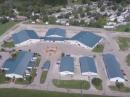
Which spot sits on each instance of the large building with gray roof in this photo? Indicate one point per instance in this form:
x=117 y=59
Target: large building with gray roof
x=16 y=67
x=25 y=37
x=67 y=65
x=87 y=66
x=113 y=68
x=55 y=35
x=86 y=39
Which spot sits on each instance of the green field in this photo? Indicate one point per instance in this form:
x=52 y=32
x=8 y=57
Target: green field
x=34 y=93
x=99 y=48
x=8 y=44
x=73 y=84
x=4 y=27
x=123 y=42
x=123 y=28
x=43 y=76
x=128 y=59
x=122 y=89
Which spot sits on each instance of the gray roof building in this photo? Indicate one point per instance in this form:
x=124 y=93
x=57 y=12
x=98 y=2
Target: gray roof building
x=87 y=38
x=112 y=66
x=67 y=64
x=24 y=35
x=87 y=64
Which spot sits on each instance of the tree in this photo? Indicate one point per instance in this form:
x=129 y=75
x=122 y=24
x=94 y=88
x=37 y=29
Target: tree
x=119 y=85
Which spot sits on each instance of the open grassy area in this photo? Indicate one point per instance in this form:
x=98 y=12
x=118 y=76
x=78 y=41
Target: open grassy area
x=73 y=84
x=8 y=44
x=43 y=76
x=3 y=79
x=33 y=93
x=99 y=48
x=97 y=83
x=122 y=89
x=123 y=28
x=124 y=42
x=128 y=59
x=4 y=27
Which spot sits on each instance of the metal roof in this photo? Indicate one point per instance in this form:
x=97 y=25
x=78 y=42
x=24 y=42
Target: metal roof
x=54 y=38
x=112 y=66
x=23 y=36
x=88 y=38
x=87 y=64
x=56 y=32
x=67 y=64
x=20 y=64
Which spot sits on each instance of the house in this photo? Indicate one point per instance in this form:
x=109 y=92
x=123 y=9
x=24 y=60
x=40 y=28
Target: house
x=25 y=37
x=113 y=68
x=86 y=40
x=67 y=65
x=88 y=66
x=17 y=67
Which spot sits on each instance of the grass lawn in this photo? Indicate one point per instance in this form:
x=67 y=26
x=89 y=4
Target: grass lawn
x=128 y=59
x=122 y=89
x=6 y=26
x=3 y=79
x=73 y=84
x=33 y=93
x=97 y=83
x=123 y=42
x=38 y=60
x=99 y=48
x=43 y=76
x=8 y=44
x=123 y=28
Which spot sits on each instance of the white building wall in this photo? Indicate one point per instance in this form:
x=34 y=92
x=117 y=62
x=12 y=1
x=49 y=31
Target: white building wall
x=89 y=74
x=66 y=73
x=117 y=79
x=12 y=75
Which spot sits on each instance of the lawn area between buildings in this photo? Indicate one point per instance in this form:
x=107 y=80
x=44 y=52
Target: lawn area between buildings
x=73 y=84
x=8 y=44
x=43 y=76
x=128 y=59
x=124 y=42
x=99 y=48
x=34 y=93
x=4 y=27
x=3 y=79
x=97 y=82
x=121 y=89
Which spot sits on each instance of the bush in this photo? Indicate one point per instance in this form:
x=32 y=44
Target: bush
x=97 y=82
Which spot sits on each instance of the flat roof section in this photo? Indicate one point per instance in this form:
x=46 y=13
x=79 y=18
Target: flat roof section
x=87 y=38
x=87 y=64
x=23 y=36
x=67 y=64
x=112 y=66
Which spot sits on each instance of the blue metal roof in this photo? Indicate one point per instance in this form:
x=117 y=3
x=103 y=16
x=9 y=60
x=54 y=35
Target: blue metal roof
x=88 y=38
x=87 y=64
x=67 y=64
x=46 y=65
x=112 y=66
x=56 y=31
x=20 y=64
x=23 y=36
